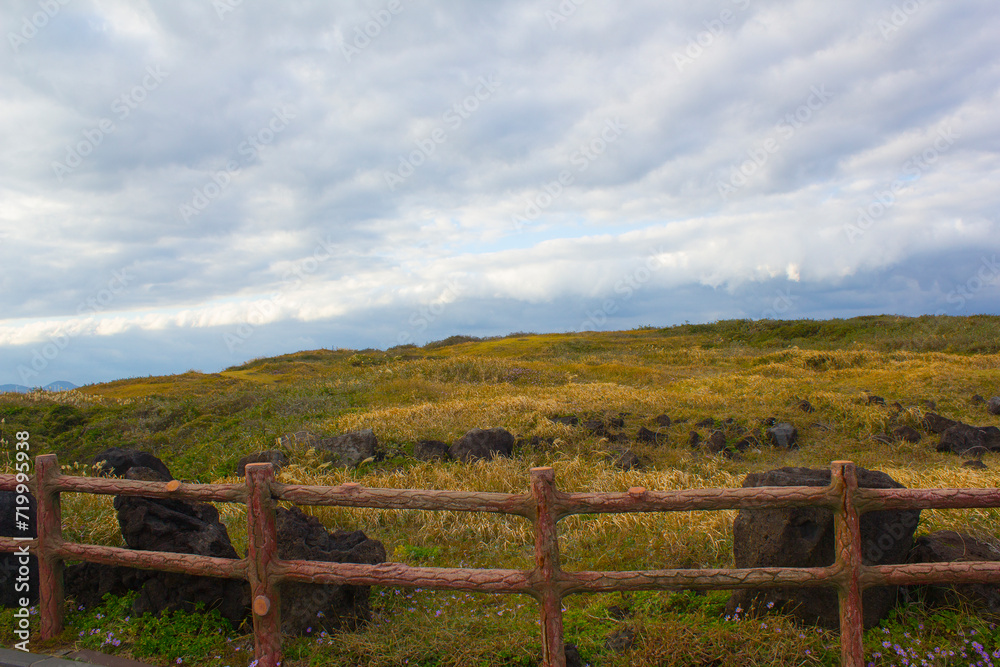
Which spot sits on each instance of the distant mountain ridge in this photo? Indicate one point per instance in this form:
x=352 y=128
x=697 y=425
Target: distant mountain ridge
x=58 y=385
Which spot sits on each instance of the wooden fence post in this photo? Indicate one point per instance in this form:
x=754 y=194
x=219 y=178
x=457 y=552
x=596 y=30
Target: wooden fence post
x=50 y=566
x=262 y=552
x=547 y=566
x=848 y=544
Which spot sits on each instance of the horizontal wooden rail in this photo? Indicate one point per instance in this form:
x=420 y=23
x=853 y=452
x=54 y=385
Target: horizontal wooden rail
x=354 y=495
x=223 y=493
x=640 y=499
x=544 y=506
x=869 y=500
x=210 y=566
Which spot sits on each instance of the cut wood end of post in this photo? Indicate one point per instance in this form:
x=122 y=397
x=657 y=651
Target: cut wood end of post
x=261 y=605
x=637 y=491
x=173 y=485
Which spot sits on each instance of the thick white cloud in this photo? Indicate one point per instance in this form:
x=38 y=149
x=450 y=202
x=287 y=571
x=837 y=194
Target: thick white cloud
x=177 y=174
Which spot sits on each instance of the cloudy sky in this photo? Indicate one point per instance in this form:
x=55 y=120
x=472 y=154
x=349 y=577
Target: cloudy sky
x=188 y=184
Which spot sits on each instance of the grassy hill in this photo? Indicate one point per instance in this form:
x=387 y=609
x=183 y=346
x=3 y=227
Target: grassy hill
x=736 y=373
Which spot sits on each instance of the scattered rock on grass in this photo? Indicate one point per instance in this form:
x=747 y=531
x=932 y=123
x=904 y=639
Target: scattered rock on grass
x=573 y=658
x=935 y=423
x=993 y=405
x=431 y=450
x=975 y=464
x=783 y=435
x=350 y=449
x=655 y=437
x=568 y=420
x=596 y=427
x=624 y=459
x=716 y=442
x=620 y=640
x=662 y=420
x=482 y=444
x=907 y=433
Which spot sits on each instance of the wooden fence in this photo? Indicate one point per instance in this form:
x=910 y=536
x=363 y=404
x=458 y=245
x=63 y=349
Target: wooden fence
x=544 y=506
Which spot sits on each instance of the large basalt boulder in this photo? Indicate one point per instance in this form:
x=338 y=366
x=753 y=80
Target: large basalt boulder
x=330 y=607
x=482 y=444
x=116 y=462
x=948 y=545
x=11 y=568
x=349 y=449
x=272 y=456
x=88 y=583
x=969 y=440
x=178 y=526
x=804 y=537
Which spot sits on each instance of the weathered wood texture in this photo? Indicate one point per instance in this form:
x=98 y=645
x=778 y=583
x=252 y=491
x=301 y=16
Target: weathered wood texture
x=847 y=533
x=546 y=573
x=544 y=506
x=262 y=555
x=50 y=565
x=225 y=568
x=223 y=493
x=354 y=495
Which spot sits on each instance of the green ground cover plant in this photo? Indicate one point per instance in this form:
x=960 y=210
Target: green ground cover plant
x=738 y=372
